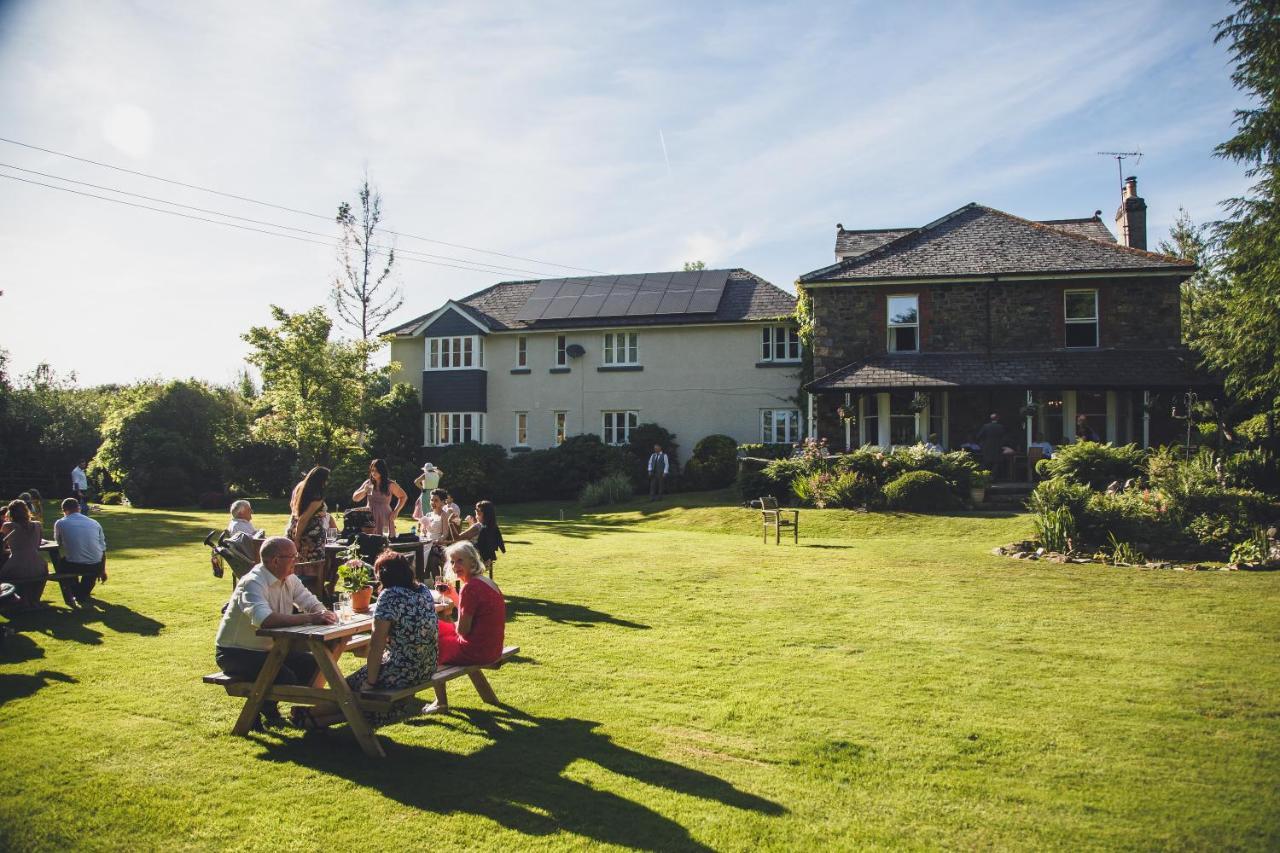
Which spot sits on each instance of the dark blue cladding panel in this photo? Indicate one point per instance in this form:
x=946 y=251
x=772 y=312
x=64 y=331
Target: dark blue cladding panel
x=451 y=323
x=455 y=391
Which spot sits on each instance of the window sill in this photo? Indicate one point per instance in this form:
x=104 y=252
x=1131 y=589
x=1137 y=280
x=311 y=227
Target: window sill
x=904 y=351
x=558 y=370
x=521 y=370
x=778 y=363
x=520 y=448
x=619 y=368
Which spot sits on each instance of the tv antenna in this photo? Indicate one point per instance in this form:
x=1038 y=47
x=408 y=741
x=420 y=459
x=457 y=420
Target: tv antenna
x=1121 y=156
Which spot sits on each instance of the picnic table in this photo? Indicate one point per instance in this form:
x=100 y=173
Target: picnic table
x=327 y=644
x=417 y=548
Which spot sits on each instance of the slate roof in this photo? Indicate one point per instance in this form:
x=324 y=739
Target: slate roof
x=982 y=241
x=1087 y=227
x=746 y=297
x=849 y=243
x=1106 y=368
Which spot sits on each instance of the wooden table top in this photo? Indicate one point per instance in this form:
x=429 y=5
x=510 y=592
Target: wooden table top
x=360 y=622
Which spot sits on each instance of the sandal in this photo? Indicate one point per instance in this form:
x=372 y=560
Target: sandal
x=435 y=708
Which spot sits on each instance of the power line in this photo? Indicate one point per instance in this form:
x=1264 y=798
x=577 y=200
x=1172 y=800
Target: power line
x=330 y=244
x=383 y=249
x=284 y=208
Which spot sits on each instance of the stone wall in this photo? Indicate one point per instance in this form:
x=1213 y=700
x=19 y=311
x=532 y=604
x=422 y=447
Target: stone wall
x=1135 y=313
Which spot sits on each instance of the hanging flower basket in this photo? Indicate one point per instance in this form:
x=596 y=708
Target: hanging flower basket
x=1029 y=410
x=919 y=403
x=847 y=415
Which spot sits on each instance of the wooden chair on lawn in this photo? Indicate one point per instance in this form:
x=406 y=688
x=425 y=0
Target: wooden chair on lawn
x=776 y=518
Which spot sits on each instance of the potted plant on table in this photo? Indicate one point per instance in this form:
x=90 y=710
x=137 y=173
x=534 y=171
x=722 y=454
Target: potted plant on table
x=356 y=577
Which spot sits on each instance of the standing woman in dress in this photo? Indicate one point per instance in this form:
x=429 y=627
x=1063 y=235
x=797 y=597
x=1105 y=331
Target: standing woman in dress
x=25 y=567
x=308 y=515
x=379 y=490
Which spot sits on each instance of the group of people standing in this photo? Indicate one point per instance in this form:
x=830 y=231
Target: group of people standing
x=409 y=639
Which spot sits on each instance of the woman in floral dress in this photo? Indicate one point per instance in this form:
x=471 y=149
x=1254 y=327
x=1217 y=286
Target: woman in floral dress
x=402 y=650
x=308 y=516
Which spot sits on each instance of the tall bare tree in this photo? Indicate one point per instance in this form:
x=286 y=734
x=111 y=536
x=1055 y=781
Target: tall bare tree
x=364 y=293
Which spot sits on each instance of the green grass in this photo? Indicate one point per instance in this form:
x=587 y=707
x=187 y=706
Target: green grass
x=683 y=686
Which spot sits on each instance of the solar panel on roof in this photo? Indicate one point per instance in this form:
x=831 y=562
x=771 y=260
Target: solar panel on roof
x=685 y=292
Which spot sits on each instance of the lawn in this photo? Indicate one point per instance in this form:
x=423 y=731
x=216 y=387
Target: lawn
x=888 y=683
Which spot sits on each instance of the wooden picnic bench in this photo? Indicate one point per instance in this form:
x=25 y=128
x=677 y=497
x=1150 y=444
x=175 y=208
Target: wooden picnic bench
x=775 y=518
x=327 y=644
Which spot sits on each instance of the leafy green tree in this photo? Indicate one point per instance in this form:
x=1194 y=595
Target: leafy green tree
x=394 y=431
x=694 y=266
x=1201 y=294
x=164 y=444
x=312 y=387
x=1242 y=340
x=48 y=423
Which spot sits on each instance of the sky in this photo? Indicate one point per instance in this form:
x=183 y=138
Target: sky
x=608 y=137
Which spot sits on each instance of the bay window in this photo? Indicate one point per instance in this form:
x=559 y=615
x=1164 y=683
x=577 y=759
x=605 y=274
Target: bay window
x=453 y=428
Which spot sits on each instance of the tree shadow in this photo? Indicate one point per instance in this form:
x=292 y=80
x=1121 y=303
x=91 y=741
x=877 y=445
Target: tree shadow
x=827 y=547
x=577 y=615
x=579 y=529
x=16 y=686
x=75 y=625
x=141 y=531
x=518 y=781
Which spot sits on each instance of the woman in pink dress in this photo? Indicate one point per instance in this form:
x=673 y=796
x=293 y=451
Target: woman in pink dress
x=25 y=567
x=379 y=491
x=482 y=612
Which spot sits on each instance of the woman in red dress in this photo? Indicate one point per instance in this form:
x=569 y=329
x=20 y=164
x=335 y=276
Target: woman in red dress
x=482 y=613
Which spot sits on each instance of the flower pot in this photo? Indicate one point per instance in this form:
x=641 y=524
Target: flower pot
x=978 y=494
x=360 y=599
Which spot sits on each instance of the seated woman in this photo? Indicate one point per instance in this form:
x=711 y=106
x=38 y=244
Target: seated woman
x=380 y=491
x=483 y=531
x=402 y=650
x=482 y=613
x=25 y=567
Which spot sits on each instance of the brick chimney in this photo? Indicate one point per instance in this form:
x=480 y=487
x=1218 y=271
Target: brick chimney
x=1131 y=217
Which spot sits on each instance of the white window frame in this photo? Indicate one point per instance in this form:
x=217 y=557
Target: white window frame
x=522 y=429
x=786 y=337
x=620 y=349
x=1094 y=321
x=562 y=350
x=455 y=352
x=610 y=422
x=559 y=428
x=522 y=351
x=891 y=339
x=445 y=428
x=788 y=419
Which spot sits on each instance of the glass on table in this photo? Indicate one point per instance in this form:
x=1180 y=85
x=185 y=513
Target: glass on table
x=331 y=535
x=344 y=607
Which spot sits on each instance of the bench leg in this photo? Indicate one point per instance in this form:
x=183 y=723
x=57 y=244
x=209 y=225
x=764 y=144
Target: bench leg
x=346 y=701
x=266 y=677
x=482 y=687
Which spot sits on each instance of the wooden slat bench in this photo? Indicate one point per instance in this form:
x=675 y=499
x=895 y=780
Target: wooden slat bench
x=370 y=700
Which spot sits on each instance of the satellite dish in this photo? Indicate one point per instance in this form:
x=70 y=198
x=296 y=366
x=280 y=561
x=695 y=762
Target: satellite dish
x=575 y=351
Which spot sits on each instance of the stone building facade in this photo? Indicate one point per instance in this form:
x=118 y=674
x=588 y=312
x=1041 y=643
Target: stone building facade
x=927 y=331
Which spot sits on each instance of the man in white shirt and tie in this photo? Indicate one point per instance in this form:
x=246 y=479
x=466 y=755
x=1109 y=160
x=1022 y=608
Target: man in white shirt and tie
x=659 y=466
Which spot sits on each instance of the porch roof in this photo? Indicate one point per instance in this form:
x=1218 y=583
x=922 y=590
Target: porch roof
x=1106 y=368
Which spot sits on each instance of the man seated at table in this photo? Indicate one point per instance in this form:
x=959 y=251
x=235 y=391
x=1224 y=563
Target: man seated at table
x=83 y=549
x=241 y=519
x=265 y=598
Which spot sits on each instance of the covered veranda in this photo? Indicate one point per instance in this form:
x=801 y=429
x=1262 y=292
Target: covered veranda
x=895 y=399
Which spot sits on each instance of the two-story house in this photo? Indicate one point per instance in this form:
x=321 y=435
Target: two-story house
x=525 y=364
x=923 y=331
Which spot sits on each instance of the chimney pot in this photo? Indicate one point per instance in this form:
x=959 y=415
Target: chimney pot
x=1131 y=217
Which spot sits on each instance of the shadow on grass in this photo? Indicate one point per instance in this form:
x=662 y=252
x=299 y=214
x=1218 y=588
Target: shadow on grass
x=14 y=686
x=576 y=615
x=518 y=780
x=152 y=531
x=579 y=529
x=75 y=625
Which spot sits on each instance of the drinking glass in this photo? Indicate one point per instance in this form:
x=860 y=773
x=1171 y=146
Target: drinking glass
x=330 y=535
x=344 y=602
x=386 y=533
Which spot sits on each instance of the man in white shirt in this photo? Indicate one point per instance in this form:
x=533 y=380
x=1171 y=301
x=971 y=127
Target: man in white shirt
x=82 y=550
x=659 y=466
x=241 y=519
x=265 y=598
x=80 y=485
